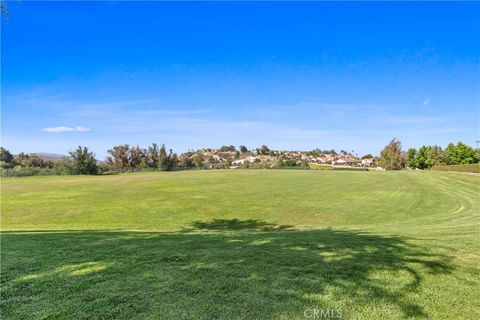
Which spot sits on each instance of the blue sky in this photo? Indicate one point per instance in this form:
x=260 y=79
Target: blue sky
x=290 y=75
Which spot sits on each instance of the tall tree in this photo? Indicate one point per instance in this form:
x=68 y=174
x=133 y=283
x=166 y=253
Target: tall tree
x=421 y=157
x=411 y=161
x=460 y=154
x=5 y=155
x=243 y=149
x=83 y=161
x=153 y=156
x=466 y=154
x=163 y=158
x=6 y=158
x=391 y=157
x=434 y=156
x=451 y=156
x=172 y=160
x=185 y=161
x=264 y=150
x=137 y=157
x=119 y=157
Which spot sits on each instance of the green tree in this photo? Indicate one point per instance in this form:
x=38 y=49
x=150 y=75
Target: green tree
x=32 y=160
x=22 y=159
x=228 y=148
x=185 y=161
x=421 y=157
x=119 y=157
x=434 y=156
x=163 y=158
x=6 y=158
x=243 y=149
x=280 y=163
x=316 y=152
x=411 y=158
x=64 y=165
x=172 y=160
x=83 y=161
x=391 y=157
x=198 y=160
x=137 y=157
x=153 y=155
x=263 y=150
x=451 y=156
x=466 y=154
x=460 y=154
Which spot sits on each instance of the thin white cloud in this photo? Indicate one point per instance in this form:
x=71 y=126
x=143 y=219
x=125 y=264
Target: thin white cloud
x=66 y=129
x=426 y=102
x=414 y=133
x=82 y=129
x=412 y=120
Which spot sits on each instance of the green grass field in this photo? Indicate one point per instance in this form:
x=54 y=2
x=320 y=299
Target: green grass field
x=241 y=244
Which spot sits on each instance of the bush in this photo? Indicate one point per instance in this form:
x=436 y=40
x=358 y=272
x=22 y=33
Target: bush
x=475 y=167
x=315 y=166
x=19 y=171
x=351 y=168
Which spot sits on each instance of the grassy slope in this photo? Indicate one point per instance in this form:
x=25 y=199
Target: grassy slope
x=242 y=244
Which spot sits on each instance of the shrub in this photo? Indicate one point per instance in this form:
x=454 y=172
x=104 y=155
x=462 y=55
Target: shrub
x=315 y=166
x=474 y=167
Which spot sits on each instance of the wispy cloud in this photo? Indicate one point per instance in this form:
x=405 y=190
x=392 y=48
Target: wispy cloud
x=412 y=120
x=426 y=102
x=66 y=129
x=415 y=133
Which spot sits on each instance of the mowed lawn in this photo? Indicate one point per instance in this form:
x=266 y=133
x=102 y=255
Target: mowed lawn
x=241 y=244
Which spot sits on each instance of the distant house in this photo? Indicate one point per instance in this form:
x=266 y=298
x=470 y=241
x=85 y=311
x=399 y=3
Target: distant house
x=238 y=162
x=252 y=159
x=328 y=158
x=351 y=161
x=318 y=160
x=346 y=161
x=368 y=162
x=217 y=158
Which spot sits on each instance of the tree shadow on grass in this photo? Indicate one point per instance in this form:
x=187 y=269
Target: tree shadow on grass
x=251 y=274
x=236 y=225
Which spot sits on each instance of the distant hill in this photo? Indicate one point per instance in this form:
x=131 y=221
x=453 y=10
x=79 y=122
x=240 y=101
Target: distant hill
x=50 y=156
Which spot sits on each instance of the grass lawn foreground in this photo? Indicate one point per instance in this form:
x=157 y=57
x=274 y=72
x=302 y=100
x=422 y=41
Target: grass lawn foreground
x=241 y=244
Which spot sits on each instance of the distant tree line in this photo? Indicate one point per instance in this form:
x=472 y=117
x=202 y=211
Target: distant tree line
x=124 y=157
x=80 y=161
x=393 y=158
x=318 y=152
x=229 y=148
x=428 y=156
x=292 y=163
